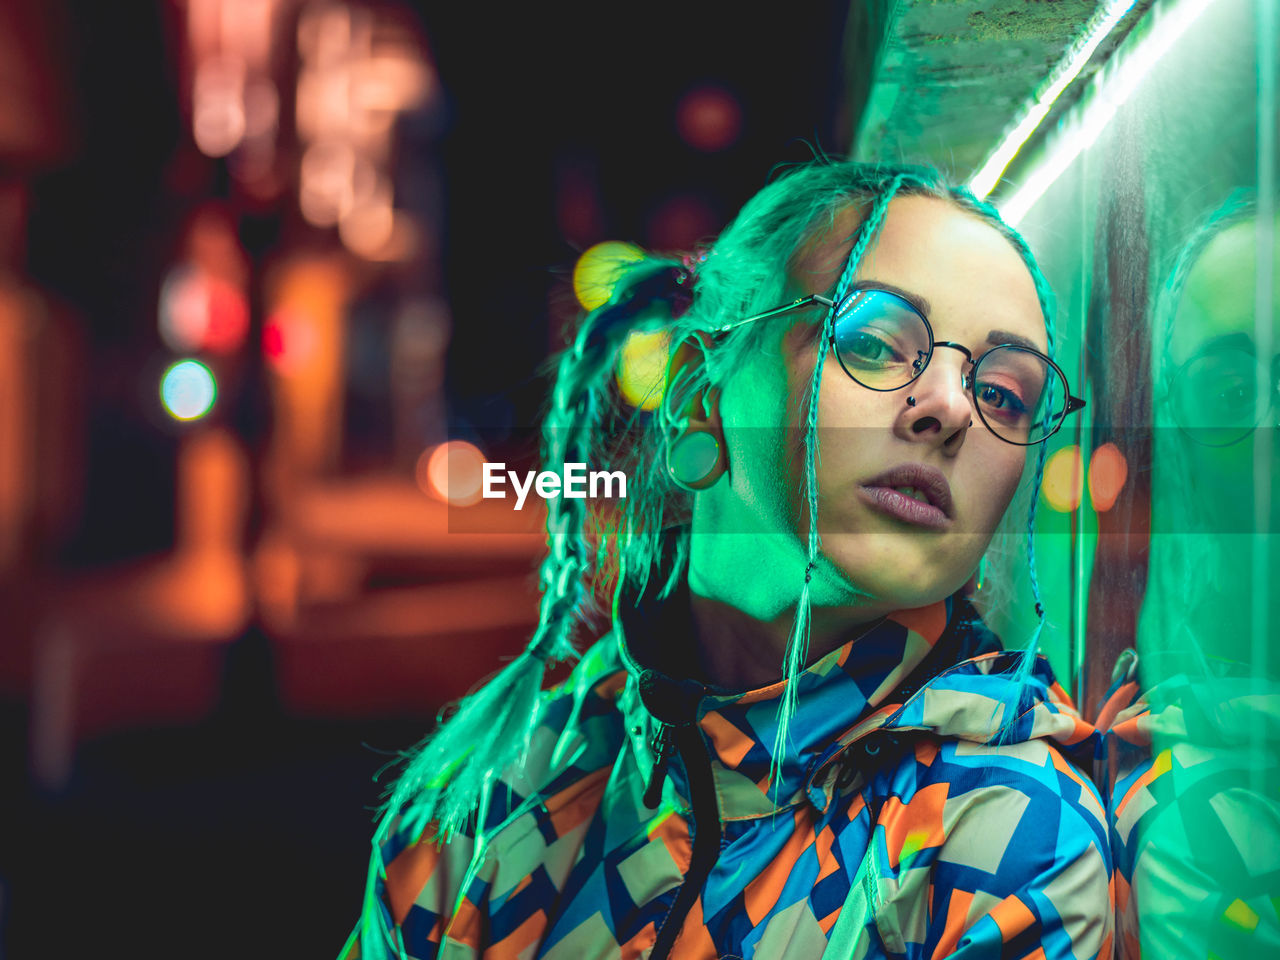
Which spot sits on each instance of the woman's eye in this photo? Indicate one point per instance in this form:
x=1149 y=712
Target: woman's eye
x=1222 y=388
x=1232 y=398
x=870 y=348
x=1000 y=400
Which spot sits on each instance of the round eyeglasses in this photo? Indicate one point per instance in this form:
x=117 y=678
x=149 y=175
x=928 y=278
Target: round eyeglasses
x=884 y=343
x=1222 y=395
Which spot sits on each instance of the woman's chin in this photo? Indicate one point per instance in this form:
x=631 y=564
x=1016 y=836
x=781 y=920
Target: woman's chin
x=898 y=580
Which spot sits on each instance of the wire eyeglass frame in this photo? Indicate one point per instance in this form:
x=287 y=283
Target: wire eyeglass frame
x=970 y=382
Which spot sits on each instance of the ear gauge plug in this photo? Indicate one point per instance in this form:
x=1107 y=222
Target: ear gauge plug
x=693 y=460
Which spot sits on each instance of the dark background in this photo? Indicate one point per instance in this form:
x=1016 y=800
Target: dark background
x=243 y=829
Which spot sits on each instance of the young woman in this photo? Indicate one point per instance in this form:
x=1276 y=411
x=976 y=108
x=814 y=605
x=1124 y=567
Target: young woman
x=797 y=739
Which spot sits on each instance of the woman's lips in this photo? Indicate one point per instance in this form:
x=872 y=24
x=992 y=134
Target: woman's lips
x=902 y=507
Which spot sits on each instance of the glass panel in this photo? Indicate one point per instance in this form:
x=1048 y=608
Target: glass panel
x=1159 y=238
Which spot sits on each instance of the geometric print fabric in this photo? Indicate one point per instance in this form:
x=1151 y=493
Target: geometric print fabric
x=892 y=830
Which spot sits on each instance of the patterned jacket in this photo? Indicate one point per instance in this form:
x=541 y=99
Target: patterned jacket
x=894 y=830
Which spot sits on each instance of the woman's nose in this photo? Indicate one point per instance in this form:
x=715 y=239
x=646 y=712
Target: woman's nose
x=942 y=396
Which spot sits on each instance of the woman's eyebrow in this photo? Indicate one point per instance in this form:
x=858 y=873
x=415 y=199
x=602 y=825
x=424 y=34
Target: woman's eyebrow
x=917 y=301
x=999 y=337
x=995 y=337
x=1238 y=340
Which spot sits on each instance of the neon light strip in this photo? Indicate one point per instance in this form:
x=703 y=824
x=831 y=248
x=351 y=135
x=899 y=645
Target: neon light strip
x=1103 y=22
x=1108 y=96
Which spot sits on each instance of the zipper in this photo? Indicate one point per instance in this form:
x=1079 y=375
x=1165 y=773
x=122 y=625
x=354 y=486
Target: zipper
x=706 y=827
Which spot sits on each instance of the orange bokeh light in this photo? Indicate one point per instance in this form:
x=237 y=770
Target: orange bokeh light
x=452 y=472
x=1108 y=470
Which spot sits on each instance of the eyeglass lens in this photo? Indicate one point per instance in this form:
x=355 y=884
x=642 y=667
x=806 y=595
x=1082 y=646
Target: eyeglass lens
x=883 y=343
x=1217 y=395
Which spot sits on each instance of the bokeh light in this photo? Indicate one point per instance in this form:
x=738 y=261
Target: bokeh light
x=452 y=472
x=188 y=390
x=372 y=229
x=598 y=269
x=1108 y=471
x=218 y=117
x=642 y=369
x=201 y=312
x=709 y=118
x=331 y=177
x=1063 y=484
x=366 y=229
x=289 y=341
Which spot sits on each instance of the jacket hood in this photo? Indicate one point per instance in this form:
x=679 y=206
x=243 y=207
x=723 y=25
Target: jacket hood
x=1233 y=707
x=931 y=671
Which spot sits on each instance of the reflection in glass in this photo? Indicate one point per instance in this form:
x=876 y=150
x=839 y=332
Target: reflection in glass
x=1194 y=721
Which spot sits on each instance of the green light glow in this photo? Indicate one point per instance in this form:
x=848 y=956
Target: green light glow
x=1090 y=119
x=1104 y=21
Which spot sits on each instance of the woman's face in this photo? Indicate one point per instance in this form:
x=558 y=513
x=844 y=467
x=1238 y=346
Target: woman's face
x=1215 y=335
x=1207 y=492
x=977 y=290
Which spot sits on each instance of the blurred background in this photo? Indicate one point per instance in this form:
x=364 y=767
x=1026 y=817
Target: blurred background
x=272 y=271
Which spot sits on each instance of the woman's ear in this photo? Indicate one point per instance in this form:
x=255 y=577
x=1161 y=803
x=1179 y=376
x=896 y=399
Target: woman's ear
x=701 y=408
x=696 y=452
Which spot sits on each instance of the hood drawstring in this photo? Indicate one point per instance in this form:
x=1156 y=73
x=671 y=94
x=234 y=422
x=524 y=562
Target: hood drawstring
x=673 y=703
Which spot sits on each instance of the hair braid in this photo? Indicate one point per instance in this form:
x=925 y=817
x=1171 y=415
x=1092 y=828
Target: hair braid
x=1045 y=297
x=798 y=643
x=576 y=416
x=448 y=775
